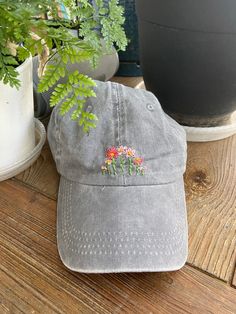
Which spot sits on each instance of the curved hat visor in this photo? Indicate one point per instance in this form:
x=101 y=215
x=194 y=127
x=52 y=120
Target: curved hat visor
x=104 y=229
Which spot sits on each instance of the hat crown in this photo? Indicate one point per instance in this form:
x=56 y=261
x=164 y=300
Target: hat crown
x=127 y=117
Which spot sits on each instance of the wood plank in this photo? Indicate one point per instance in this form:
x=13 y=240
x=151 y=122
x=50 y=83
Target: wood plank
x=7 y=308
x=17 y=298
x=42 y=175
x=128 y=81
x=30 y=263
x=210 y=182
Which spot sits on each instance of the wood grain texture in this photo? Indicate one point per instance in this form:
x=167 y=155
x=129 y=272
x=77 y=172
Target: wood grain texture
x=33 y=279
x=128 y=81
x=210 y=182
x=42 y=175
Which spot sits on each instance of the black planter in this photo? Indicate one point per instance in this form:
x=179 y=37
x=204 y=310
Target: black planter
x=188 y=57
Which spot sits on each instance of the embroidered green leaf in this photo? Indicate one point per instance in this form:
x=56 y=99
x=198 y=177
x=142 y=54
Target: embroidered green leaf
x=114 y=166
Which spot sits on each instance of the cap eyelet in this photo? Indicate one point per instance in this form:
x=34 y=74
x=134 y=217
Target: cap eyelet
x=150 y=107
x=89 y=108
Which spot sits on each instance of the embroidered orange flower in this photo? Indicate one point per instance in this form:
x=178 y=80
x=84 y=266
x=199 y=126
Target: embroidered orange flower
x=138 y=161
x=112 y=153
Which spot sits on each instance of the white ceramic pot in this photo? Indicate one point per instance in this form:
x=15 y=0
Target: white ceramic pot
x=17 y=130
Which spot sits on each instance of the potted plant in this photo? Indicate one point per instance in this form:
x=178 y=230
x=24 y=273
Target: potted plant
x=188 y=58
x=24 y=32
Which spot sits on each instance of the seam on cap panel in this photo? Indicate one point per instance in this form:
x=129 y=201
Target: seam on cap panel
x=58 y=150
x=115 y=113
x=123 y=118
x=120 y=114
x=122 y=186
x=117 y=101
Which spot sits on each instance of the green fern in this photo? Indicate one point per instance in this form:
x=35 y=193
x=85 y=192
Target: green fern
x=51 y=76
x=22 y=53
x=18 y=22
x=8 y=75
x=75 y=55
x=73 y=94
x=77 y=82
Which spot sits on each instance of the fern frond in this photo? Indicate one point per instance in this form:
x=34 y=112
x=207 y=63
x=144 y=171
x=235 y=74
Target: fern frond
x=87 y=121
x=52 y=74
x=67 y=104
x=81 y=79
x=84 y=80
x=8 y=75
x=93 y=19
x=22 y=53
x=73 y=94
x=60 y=92
x=9 y=60
x=75 y=54
x=112 y=29
x=77 y=112
x=78 y=85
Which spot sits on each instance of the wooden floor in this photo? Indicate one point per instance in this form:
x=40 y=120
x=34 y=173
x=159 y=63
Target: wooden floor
x=33 y=279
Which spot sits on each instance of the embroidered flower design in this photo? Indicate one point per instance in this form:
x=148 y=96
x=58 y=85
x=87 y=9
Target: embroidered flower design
x=130 y=152
x=122 y=159
x=111 y=153
x=138 y=161
x=121 y=150
x=108 y=161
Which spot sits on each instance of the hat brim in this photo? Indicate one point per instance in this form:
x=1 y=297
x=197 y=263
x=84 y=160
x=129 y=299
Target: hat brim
x=105 y=229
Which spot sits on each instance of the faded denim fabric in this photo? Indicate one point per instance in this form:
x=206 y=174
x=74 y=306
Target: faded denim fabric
x=123 y=222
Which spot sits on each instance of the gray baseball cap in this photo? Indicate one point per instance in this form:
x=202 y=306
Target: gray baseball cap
x=121 y=203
